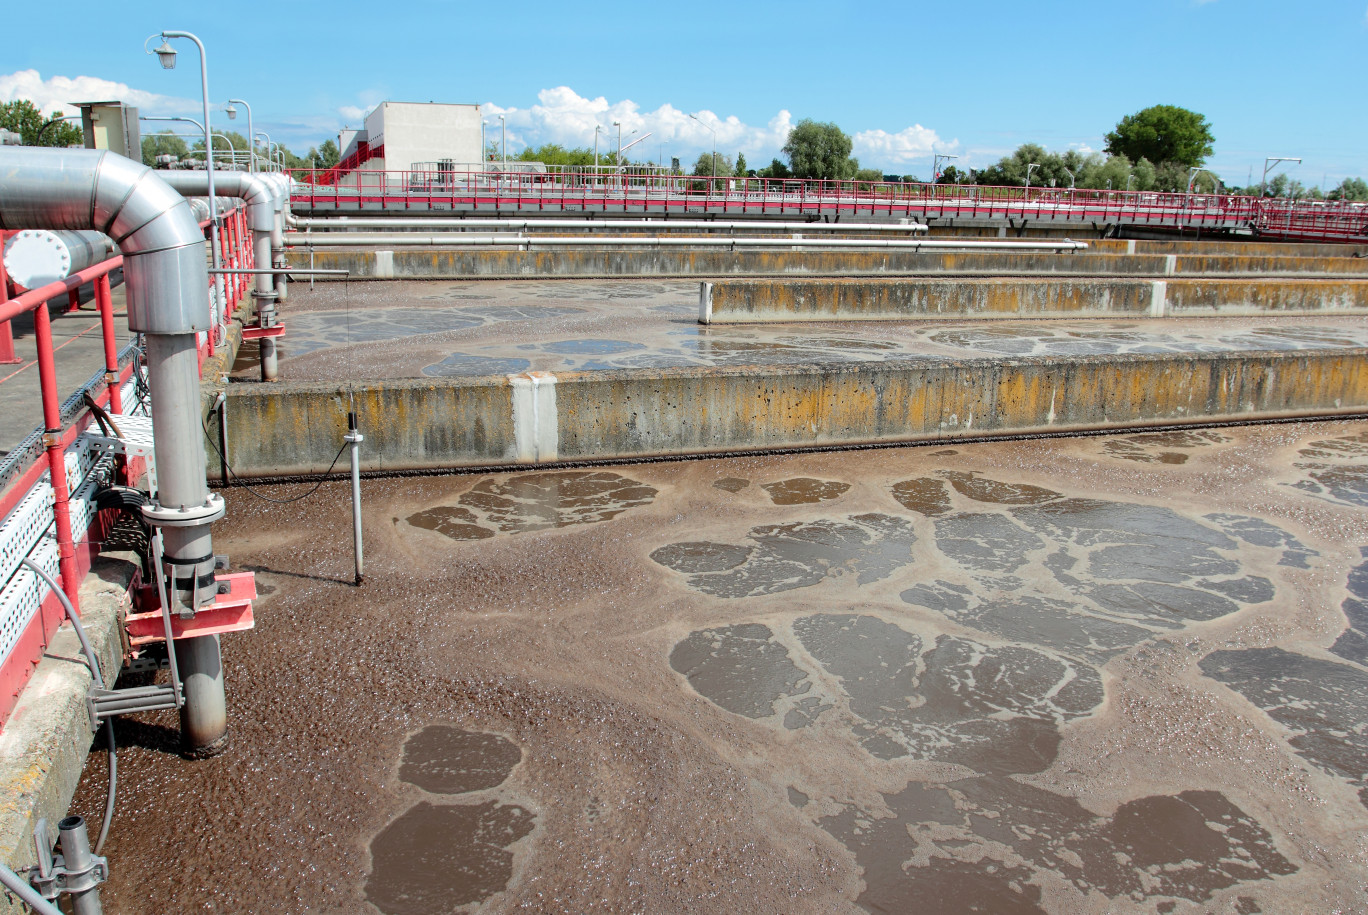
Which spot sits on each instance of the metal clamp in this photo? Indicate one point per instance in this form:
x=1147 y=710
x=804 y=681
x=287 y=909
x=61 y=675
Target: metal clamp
x=75 y=872
x=159 y=515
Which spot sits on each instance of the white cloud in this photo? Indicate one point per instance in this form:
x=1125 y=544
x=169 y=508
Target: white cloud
x=563 y=116
x=58 y=93
x=879 y=147
x=352 y=114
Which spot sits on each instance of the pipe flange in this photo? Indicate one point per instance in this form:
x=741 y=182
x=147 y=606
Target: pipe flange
x=159 y=515
x=264 y=295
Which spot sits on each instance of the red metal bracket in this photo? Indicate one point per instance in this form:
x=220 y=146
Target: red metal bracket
x=256 y=331
x=231 y=612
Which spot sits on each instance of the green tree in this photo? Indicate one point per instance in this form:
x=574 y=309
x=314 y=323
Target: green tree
x=776 y=169
x=705 y=167
x=1146 y=176
x=165 y=143
x=328 y=154
x=24 y=118
x=740 y=165
x=819 y=150
x=869 y=174
x=1163 y=134
x=1353 y=189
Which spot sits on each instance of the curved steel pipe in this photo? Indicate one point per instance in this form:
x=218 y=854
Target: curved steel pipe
x=168 y=300
x=264 y=198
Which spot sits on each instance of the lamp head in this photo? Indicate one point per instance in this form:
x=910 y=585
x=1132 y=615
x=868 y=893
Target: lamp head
x=167 y=55
x=231 y=111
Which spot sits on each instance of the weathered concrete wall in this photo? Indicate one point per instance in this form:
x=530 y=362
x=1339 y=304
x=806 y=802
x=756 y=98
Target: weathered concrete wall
x=44 y=744
x=764 y=301
x=286 y=429
x=451 y=263
x=297 y=429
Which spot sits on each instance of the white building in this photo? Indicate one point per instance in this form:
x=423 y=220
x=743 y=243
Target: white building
x=402 y=136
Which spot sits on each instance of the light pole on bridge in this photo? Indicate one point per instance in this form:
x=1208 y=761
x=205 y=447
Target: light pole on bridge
x=1269 y=163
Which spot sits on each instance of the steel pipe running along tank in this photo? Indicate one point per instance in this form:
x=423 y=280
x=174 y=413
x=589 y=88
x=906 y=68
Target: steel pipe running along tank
x=263 y=199
x=36 y=257
x=167 y=284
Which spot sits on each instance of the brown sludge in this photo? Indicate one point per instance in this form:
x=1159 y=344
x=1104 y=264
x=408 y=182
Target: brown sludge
x=1053 y=676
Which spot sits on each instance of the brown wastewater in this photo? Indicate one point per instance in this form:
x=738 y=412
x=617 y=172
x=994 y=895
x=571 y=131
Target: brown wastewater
x=1112 y=674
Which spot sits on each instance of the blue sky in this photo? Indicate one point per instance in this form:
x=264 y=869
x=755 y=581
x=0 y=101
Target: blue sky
x=972 y=79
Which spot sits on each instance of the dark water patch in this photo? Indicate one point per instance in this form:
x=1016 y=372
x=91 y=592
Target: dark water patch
x=991 y=709
x=740 y=668
x=537 y=501
x=1158 y=447
x=986 y=542
x=943 y=596
x=1337 y=469
x=1036 y=620
x=1252 y=589
x=1323 y=704
x=525 y=312
x=465 y=364
x=1259 y=532
x=691 y=557
x=944 y=842
x=924 y=495
x=1353 y=642
x=449 y=760
x=591 y=347
x=982 y=489
x=1171 y=606
x=804 y=491
x=731 y=484
x=782 y=557
x=315 y=330
x=451 y=521
x=797 y=798
x=437 y=857
x=837 y=343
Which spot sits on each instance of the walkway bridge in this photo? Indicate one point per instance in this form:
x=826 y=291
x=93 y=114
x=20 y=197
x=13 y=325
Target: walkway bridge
x=1103 y=212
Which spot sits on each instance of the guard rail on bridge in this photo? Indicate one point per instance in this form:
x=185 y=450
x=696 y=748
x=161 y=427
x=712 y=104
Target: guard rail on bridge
x=324 y=191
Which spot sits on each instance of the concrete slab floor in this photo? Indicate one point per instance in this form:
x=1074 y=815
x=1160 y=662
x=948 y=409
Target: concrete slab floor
x=412 y=329
x=1108 y=674
x=79 y=353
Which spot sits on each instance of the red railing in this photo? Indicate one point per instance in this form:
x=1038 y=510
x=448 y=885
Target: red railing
x=609 y=192
x=25 y=470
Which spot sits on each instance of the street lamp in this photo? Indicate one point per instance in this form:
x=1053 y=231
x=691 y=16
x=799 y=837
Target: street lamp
x=1192 y=176
x=1071 y=177
x=232 y=115
x=714 y=135
x=1129 y=179
x=1028 y=176
x=167 y=56
x=1269 y=163
x=503 y=131
x=262 y=133
x=597 y=128
x=935 y=164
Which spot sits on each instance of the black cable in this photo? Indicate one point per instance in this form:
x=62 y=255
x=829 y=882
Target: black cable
x=245 y=485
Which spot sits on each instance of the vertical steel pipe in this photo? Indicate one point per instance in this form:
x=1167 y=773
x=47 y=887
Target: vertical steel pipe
x=79 y=865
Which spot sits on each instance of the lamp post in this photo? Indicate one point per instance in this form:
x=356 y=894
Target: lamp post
x=597 y=128
x=935 y=164
x=232 y=115
x=262 y=133
x=714 y=135
x=1071 y=177
x=1269 y=163
x=503 y=141
x=1192 y=176
x=1028 y=178
x=166 y=55
x=1129 y=179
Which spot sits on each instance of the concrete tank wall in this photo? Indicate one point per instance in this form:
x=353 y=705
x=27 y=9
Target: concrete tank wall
x=288 y=429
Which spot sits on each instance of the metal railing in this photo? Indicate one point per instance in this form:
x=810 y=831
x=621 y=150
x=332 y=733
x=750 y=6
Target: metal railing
x=653 y=191
x=49 y=482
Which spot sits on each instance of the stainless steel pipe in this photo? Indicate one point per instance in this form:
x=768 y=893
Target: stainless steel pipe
x=168 y=300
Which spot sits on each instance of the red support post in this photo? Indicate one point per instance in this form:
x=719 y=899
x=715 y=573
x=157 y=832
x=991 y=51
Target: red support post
x=7 y=356
x=52 y=440
x=105 y=303
x=73 y=299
